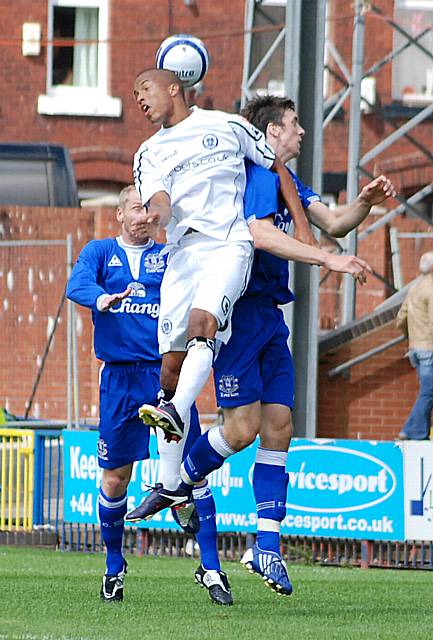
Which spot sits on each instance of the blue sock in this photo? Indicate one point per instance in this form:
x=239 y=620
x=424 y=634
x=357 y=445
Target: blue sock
x=207 y=454
x=207 y=536
x=270 y=489
x=111 y=514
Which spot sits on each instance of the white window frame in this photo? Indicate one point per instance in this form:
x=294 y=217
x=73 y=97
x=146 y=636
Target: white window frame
x=80 y=101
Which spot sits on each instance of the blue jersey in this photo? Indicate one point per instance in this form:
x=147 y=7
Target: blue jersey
x=270 y=275
x=120 y=335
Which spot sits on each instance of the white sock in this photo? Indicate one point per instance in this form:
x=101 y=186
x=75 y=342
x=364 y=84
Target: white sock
x=170 y=458
x=193 y=376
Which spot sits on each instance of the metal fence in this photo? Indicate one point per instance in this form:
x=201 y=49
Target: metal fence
x=17 y=479
x=232 y=546
x=32 y=513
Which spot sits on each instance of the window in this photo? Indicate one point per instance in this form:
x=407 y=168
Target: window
x=412 y=72
x=77 y=60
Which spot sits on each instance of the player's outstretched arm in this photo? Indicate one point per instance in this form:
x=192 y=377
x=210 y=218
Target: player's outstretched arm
x=338 y=222
x=83 y=286
x=268 y=238
x=288 y=190
x=356 y=267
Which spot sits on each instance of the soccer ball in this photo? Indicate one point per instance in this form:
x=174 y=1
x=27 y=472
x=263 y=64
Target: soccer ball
x=186 y=55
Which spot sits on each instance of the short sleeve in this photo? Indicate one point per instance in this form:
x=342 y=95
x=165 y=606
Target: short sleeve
x=252 y=142
x=261 y=192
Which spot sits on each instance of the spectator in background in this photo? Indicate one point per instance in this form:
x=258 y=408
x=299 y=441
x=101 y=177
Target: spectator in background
x=415 y=319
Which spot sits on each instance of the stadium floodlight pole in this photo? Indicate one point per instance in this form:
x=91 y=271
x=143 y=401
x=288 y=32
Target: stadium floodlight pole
x=349 y=288
x=307 y=63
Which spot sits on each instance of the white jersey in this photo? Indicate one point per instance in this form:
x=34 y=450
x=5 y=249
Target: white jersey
x=199 y=162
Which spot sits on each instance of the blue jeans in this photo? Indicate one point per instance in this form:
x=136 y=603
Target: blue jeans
x=417 y=426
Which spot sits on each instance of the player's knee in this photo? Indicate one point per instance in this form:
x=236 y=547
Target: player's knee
x=202 y=323
x=114 y=482
x=240 y=435
x=276 y=434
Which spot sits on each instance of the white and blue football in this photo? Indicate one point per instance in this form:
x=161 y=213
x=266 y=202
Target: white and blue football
x=186 y=55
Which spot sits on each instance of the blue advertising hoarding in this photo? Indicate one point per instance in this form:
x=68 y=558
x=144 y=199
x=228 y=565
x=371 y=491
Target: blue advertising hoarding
x=337 y=488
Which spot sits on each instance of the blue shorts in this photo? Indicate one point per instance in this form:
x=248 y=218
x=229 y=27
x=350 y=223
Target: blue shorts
x=256 y=363
x=123 y=438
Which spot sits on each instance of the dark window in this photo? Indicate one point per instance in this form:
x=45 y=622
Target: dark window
x=75 y=65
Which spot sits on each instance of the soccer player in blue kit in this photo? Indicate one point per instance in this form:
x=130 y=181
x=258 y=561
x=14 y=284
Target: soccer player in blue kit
x=254 y=371
x=119 y=279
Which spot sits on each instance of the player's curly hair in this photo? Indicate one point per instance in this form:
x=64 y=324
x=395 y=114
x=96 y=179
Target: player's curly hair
x=262 y=110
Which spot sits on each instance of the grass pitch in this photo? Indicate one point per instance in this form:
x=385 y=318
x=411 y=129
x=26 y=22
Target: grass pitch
x=48 y=595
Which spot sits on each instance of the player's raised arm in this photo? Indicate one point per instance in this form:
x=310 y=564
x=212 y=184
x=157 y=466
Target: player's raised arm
x=267 y=237
x=256 y=149
x=288 y=190
x=337 y=222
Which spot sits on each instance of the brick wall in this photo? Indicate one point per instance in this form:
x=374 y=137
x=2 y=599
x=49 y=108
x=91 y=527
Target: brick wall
x=375 y=398
x=32 y=281
x=102 y=148
x=371 y=403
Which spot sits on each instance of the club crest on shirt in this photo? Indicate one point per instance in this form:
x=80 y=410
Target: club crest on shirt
x=210 y=141
x=154 y=263
x=228 y=385
x=166 y=326
x=225 y=305
x=102 y=449
x=137 y=289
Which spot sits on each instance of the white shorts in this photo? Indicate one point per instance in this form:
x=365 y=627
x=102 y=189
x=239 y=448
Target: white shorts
x=202 y=273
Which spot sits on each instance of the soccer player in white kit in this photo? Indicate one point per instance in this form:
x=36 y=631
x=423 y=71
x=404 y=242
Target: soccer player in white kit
x=191 y=178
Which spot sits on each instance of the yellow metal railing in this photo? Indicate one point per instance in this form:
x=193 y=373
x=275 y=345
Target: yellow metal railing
x=17 y=447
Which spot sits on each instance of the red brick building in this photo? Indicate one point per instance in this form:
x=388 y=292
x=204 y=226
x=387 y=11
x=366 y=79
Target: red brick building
x=85 y=101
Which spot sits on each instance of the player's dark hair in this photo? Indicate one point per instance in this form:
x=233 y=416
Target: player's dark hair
x=262 y=110
x=169 y=76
